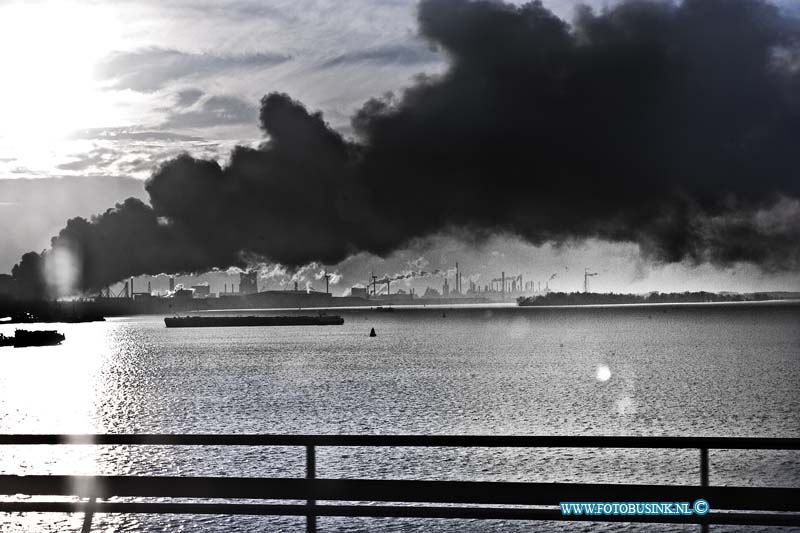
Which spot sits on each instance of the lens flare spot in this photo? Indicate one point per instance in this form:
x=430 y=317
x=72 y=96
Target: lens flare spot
x=62 y=269
x=603 y=373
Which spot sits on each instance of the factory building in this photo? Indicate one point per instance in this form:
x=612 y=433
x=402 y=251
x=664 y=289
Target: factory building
x=203 y=290
x=359 y=292
x=248 y=282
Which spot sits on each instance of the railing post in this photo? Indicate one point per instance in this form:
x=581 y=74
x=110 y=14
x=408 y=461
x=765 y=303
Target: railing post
x=704 y=478
x=311 y=473
x=87 y=516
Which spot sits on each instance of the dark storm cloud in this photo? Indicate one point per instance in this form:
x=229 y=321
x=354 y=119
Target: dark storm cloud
x=673 y=126
x=274 y=201
x=639 y=124
x=791 y=8
x=149 y=69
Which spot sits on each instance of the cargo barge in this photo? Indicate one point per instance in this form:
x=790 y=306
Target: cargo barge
x=231 y=321
x=23 y=338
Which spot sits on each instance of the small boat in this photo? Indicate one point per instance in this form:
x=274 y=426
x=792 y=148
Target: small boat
x=23 y=338
x=231 y=321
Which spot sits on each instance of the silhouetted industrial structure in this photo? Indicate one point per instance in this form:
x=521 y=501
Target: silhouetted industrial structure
x=248 y=282
x=586 y=276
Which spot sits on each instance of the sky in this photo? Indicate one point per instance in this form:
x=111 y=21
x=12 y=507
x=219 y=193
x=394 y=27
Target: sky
x=96 y=95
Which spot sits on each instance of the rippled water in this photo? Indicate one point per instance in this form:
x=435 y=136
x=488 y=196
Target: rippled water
x=685 y=371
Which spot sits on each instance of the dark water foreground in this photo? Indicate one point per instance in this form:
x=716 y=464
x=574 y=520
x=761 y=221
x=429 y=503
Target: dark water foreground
x=681 y=371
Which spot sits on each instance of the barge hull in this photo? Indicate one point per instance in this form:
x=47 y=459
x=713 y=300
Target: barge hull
x=234 y=321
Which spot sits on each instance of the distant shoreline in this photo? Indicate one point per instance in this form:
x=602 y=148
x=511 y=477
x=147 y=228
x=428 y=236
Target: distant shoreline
x=699 y=297
x=86 y=311
x=501 y=307
x=744 y=303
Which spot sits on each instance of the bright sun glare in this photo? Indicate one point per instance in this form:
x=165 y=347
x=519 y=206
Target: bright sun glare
x=47 y=55
x=603 y=373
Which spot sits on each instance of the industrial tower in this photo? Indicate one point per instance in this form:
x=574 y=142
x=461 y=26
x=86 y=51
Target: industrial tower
x=586 y=276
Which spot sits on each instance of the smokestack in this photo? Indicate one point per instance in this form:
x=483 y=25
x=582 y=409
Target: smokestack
x=295 y=285
x=458 y=280
x=149 y=288
x=586 y=276
x=503 y=283
x=131 y=286
x=172 y=283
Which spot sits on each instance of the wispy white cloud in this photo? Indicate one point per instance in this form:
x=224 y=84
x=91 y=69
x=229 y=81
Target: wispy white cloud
x=150 y=69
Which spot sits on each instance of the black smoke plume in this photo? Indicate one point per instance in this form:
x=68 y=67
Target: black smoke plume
x=670 y=125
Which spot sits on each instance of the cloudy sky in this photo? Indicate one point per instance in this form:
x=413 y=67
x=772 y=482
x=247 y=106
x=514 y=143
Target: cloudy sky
x=96 y=95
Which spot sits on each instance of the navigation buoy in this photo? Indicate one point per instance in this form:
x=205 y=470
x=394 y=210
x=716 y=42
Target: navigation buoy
x=372 y=333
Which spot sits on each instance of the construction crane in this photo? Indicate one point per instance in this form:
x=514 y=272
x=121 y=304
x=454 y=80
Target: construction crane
x=107 y=292
x=382 y=288
x=586 y=276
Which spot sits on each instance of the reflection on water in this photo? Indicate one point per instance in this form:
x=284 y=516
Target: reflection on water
x=54 y=388
x=603 y=372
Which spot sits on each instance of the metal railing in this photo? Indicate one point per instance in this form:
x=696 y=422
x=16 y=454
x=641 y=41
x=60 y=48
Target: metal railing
x=770 y=506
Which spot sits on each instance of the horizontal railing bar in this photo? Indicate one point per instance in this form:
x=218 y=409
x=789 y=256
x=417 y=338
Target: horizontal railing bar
x=383 y=511
x=457 y=441
x=409 y=491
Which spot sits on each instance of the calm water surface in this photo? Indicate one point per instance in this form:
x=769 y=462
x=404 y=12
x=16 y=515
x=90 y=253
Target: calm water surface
x=678 y=371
